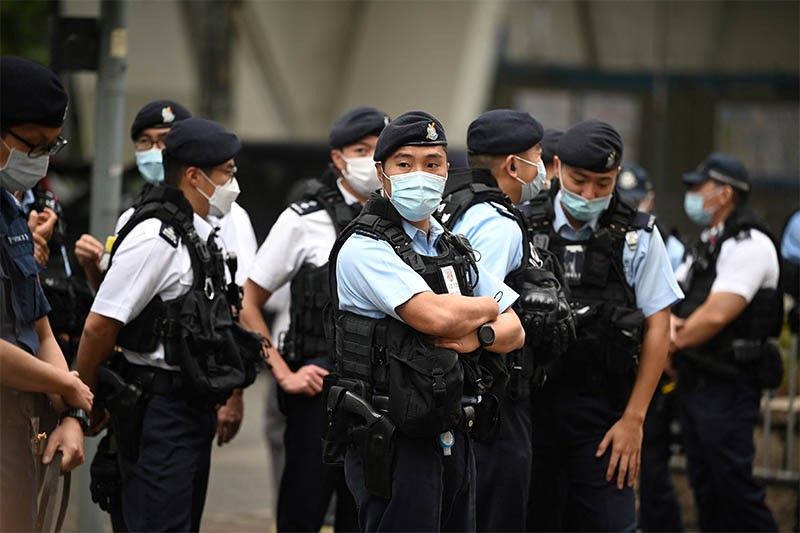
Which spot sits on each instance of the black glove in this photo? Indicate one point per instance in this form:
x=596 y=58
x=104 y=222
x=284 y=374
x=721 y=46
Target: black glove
x=546 y=315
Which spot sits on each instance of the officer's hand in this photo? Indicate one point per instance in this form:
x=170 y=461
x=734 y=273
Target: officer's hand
x=307 y=380
x=43 y=223
x=67 y=437
x=76 y=393
x=625 y=440
x=229 y=418
x=41 y=251
x=466 y=344
x=88 y=250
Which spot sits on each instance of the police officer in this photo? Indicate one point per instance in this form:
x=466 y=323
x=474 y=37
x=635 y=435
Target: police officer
x=549 y=143
x=32 y=107
x=296 y=251
x=148 y=131
x=659 y=509
x=719 y=339
x=589 y=411
x=401 y=290
x=479 y=203
x=166 y=265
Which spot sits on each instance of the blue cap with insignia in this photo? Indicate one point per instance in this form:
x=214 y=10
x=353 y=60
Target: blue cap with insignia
x=415 y=128
x=633 y=183
x=591 y=145
x=356 y=124
x=158 y=114
x=201 y=142
x=503 y=132
x=30 y=94
x=721 y=168
x=550 y=140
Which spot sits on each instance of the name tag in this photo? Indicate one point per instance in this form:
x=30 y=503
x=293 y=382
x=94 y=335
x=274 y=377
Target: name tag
x=450 y=280
x=573 y=262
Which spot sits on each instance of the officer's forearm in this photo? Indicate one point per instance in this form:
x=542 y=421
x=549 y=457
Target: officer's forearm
x=251 y=317
x=49 y=350
x=96 y=346
x=508 y=333
x=719 y=310
x=447 y=315
x=651 y=364
x=22 y=371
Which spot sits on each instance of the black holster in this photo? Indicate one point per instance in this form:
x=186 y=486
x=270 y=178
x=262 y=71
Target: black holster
x=126 y=402
x=106 y=479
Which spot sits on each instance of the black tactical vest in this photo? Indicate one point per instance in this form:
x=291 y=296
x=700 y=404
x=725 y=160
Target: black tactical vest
x=464 y=189
x=309 y=288
x=762 y=318
x=199 y=330
x=368 y=350
x=610 y=326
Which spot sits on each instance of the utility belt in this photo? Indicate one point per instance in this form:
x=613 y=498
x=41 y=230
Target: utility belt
x=351 y=419
x=759 y=358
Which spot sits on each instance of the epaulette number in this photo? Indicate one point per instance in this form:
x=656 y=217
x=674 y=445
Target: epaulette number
x=169 y=234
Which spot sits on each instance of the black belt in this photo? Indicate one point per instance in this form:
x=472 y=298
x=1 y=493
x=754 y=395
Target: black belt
x=152 y=380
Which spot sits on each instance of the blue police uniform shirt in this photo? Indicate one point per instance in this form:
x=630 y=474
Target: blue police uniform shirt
x=675 y=250
x=372 y=280
x=647 y=267
x=790 y=244
x=22 y=301
x=495 y=237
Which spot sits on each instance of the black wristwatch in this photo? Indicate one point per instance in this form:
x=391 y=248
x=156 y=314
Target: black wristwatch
x=486 y=335
x=79 y=415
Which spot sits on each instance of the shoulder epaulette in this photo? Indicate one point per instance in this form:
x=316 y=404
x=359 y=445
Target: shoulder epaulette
x=306 y=207
x=169 y=234
x=743 y=234
x=642 y=220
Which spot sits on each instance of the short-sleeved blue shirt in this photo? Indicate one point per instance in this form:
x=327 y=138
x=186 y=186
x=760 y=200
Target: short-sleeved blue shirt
x=647 y=268
x=496 y=237
x=790 y=243
x=372 y=280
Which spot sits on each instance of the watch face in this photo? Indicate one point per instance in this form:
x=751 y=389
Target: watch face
x=486 y=335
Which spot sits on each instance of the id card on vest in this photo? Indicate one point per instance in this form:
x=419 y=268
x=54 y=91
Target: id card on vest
x=573 y=262
x=450 y=280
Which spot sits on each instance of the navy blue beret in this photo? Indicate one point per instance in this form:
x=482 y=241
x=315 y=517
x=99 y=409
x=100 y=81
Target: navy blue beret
x=549 y=143
x=591 y=145
x=30 y=93
x=633 y=183
x=415 y=128
x=201 y=142
x=722 y=168
x=356 y=124
x=502 y=132
x=158 y=114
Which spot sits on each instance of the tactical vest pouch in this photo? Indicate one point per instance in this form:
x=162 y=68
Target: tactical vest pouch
x=336 y=421
x=494 y=385
x=203 y=345
x=624 y=346
x=425 y=387
x=106 y=479
x=143 y=333
x=770 y=366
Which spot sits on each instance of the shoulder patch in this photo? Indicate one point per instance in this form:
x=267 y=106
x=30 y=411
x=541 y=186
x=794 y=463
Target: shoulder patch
x=307 y=206
x=743 y=235
x=367 y=233
x=169 y=234
x=645 y=221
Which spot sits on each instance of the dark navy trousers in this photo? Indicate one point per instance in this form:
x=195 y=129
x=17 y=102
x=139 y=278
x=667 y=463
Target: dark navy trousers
x=307 y=483
x=659 y=509
x=504 y=470
x=430 y=491
x=718 y=416
x=569 y=490
x=165 y=489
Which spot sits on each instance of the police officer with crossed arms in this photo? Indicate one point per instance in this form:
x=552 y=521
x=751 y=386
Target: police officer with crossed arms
x=410 y=299
x=591 y=403
x=33 y=103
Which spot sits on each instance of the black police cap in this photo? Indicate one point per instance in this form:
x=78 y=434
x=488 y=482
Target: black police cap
x=356 y=124
x=722 y=168
x=158 y=114
x=633 y=182
x=502 y=132
x=30 y=93
x=591 y=145
x=201 y=142
x=415 y=128
x=550 y=140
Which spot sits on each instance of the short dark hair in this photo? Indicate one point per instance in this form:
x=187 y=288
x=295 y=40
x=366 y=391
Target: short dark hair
x=173 y=170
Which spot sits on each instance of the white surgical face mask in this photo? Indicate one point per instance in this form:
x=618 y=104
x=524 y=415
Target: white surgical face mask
x=22 y=172
x=219 y=203
x=361 y=174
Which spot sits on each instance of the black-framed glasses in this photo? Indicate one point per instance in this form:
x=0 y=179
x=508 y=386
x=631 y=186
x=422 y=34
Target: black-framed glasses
x=38 y=151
